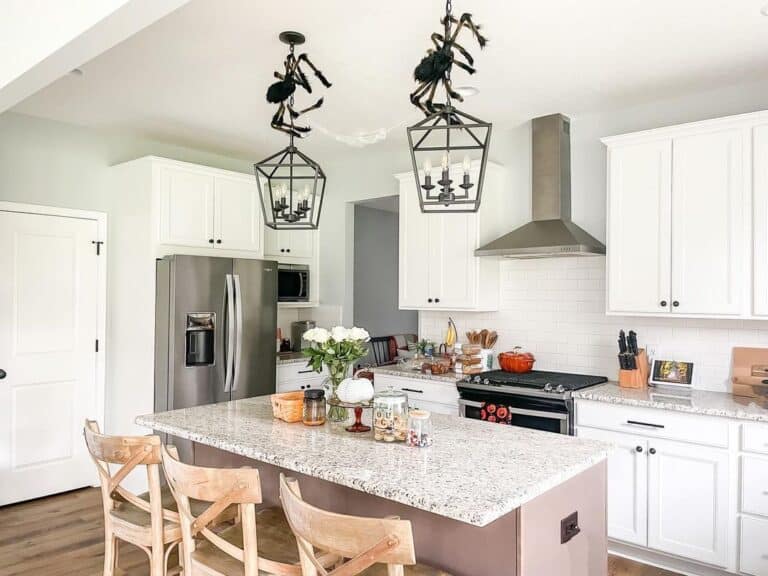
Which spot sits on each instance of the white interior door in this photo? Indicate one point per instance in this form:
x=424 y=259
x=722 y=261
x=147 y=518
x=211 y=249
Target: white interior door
x=238 y=215
x=639 y=231
x=708 y=249
x=48 y=329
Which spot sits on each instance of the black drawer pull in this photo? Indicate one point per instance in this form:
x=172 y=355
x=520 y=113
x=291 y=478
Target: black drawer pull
x=305 y=371
x=647 y=424
x=412 y=390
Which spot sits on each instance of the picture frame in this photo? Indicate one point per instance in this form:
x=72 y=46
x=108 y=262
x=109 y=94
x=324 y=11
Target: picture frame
x=671 y=373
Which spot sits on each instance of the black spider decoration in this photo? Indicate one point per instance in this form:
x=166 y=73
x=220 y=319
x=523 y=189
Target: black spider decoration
x=435 y=67
x=282 y=91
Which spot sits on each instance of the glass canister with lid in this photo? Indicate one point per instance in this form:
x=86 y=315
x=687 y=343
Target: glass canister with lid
x=419 y=429
x=314 y=407
x=390 y=415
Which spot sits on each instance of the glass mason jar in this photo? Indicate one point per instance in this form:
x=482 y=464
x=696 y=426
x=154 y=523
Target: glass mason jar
x=314 y=407
x=419 y=429
x=390 y=415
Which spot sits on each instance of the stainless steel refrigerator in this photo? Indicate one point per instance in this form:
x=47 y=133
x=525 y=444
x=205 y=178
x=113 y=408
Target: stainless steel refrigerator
x=215 y=323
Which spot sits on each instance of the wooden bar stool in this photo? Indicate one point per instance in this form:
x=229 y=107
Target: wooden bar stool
x=370 y=546
x=261 y=543
x=143 y=520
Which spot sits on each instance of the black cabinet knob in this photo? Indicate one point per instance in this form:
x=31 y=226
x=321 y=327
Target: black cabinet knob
x=675 y=303
x=288 y=250
x=282 y=249
x=437 y=299
x=639 y=449
x=429 y=300
x=218 y=241
x=652 y=450
x=663 y=303
x=210 y=240
x=3 y=373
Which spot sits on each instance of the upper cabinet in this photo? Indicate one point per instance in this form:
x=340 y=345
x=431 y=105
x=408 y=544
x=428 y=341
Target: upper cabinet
x=438 y=266
x=288 y=244
x=760 y=217
x=679 y=208
x=207 y=208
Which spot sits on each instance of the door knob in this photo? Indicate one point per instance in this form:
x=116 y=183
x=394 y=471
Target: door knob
x=3 y=373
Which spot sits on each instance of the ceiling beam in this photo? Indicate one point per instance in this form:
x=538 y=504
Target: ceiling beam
x=41 y=41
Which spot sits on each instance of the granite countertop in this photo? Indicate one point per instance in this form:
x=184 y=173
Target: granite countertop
x=406 y=372
x=475 y=472
x=671 y=398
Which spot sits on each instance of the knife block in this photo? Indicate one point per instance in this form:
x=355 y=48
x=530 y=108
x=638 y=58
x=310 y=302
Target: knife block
x=636 y=378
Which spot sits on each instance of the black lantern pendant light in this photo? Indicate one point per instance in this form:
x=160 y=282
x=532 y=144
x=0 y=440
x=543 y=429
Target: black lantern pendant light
x=447 y=134
x=291 y=184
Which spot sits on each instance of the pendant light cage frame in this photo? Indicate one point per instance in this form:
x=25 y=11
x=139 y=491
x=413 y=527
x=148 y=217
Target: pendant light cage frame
x=443 y=132
x=291 y=188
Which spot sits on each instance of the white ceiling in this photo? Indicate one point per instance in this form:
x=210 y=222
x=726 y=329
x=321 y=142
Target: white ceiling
x=198 y=77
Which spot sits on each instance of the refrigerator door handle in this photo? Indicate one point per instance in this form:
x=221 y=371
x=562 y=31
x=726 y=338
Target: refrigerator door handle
x=238 y=332
x=230 y=319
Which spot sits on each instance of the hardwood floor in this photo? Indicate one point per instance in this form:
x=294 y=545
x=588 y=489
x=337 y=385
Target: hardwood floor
x=62 y=535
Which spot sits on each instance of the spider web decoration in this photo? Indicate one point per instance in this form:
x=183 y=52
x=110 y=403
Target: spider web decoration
x=291 y=184
x=446 y=132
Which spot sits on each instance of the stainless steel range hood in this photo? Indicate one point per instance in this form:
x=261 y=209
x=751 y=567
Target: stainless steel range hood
x=551 y=233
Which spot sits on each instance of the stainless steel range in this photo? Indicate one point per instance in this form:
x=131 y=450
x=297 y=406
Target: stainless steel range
x=537 y=399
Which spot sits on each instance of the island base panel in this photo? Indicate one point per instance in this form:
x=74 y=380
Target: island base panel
x=525 y=542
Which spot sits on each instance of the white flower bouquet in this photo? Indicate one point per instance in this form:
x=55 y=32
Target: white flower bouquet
x=337 y=349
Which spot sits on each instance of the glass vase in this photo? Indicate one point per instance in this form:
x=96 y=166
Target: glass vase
x=337 y=371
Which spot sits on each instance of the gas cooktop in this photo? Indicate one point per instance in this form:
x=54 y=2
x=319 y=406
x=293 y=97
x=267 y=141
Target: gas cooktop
x=550 y=382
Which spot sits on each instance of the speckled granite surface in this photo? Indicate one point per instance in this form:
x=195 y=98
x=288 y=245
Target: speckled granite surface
x=670 y=398
x=398 y=370
x=475 y=472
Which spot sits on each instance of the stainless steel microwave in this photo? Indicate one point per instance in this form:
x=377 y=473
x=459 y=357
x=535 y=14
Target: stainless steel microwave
x=293 y=283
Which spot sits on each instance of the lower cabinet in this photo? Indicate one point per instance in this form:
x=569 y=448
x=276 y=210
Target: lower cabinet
x=688 y=501
x=754 y=546
x=437 y=396
x=297 y=377
x=627 y=485
x=667 y=496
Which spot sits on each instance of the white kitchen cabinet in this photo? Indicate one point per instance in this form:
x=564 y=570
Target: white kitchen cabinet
x=688 y=501
x=678 y=221
x=202 y=207
x=640 y=227
x=288 y=244
x=440 y=396
x=186 y=207
x=627 y=485
x=438 y=266
x=760 y=219
x=753 y=557
x=238 y=222
x=297 y=376
x=707 y=223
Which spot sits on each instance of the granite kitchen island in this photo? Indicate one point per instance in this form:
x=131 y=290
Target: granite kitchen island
x=485 y=499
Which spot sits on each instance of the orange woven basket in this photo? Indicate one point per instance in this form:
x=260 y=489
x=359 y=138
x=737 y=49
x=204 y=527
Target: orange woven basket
x=288 y=407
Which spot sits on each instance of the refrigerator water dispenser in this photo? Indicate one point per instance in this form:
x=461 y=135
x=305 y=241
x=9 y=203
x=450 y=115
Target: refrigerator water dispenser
x=201 y=328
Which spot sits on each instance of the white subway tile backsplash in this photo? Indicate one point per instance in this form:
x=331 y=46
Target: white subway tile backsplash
x=555 y=308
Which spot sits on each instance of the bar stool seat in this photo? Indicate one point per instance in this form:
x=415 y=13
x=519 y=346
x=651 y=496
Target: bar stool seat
x=275 y=541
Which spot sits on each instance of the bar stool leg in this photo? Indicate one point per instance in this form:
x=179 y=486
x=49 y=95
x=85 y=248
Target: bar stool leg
x=110 y=552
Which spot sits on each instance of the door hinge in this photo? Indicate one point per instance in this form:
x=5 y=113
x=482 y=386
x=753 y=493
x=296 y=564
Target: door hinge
x=98 y=244
x=97 y=344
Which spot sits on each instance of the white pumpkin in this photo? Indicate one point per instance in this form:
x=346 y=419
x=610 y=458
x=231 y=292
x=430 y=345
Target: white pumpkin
x=355 y=390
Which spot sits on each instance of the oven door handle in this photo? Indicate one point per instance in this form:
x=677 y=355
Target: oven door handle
x=538 y=413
